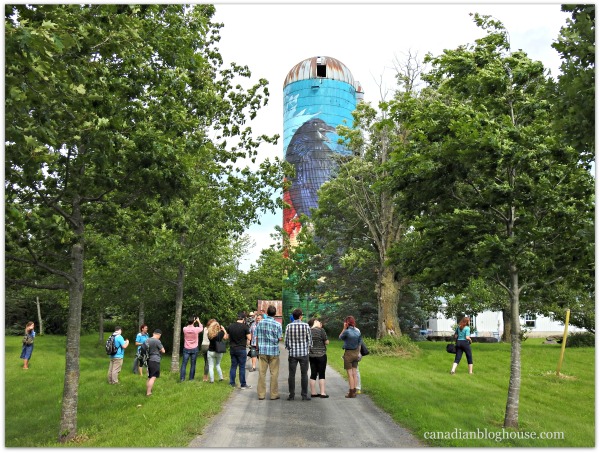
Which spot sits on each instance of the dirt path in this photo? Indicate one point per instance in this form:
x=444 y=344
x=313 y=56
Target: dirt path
x=322 y=422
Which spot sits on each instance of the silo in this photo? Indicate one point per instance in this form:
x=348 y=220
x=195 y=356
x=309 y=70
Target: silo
x=319 y=94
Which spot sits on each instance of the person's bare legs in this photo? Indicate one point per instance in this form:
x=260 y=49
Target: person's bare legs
x=149 y=386
x=312 y=386
x=25 y=364
x=322 y=386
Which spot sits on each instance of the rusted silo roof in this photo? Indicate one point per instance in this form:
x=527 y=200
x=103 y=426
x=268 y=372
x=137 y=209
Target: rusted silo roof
x=307 y=69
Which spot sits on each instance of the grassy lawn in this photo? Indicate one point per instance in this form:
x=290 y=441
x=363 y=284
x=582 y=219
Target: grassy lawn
x=108 y=415
x=420 y=394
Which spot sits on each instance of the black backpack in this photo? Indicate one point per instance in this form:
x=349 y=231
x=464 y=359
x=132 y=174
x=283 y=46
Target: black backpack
x=143 y=354
x=111 y=347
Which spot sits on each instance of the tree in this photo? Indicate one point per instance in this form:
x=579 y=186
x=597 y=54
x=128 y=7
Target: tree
x=108 y=107
x=576 y=107
x=496 y=193
x=361 y=196
x=264 y=279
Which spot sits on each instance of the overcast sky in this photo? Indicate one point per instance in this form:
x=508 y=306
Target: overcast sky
x=271 y=38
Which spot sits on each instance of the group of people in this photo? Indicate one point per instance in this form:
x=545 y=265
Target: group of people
x=155 y=349
x=306 y=344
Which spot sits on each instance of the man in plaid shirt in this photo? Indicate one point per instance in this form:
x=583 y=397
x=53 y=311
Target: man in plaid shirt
x=268 y=333
x=298 y=341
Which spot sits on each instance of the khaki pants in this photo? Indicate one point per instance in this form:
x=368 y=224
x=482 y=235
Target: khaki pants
x=113 y=370
x=272 y=363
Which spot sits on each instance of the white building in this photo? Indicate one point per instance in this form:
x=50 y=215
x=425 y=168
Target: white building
x=490 y=324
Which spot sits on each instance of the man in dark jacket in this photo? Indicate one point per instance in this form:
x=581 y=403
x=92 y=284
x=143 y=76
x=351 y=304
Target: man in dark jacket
x=239 y=338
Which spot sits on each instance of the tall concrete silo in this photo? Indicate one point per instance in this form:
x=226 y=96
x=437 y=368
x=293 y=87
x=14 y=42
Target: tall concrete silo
x=319 y=94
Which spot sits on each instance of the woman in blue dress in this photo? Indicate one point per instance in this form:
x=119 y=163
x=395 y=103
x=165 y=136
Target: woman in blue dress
x=28 y=344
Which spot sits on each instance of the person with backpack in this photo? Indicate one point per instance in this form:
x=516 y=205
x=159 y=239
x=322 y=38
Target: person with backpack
x=115 y=348
x=140 y=339
x=28 y=344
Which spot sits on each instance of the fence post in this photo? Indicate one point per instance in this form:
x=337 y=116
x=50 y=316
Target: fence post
x=564 y=342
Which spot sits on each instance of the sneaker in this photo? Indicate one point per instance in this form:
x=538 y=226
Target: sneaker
x=247 y=386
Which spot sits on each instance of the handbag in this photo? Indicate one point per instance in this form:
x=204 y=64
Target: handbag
x=363 y=348
x=451 y=347
x=220 y=346
x=27 y=340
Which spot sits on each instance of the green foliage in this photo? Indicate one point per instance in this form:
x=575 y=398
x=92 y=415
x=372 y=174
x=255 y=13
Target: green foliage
x=581 y=340
x=392 y=346
x=124 y=127
x=576 y=108
x=100 y=404
x=264 y=279
x=420 y=394
x=489 y=184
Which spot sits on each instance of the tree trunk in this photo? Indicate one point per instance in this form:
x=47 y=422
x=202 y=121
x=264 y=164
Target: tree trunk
x=68 y=419
x=507 y=321
x=511 y=418
x=101 y=328
x=388 y=295
x=39 y=313
x=141 y=314
x=177 y=323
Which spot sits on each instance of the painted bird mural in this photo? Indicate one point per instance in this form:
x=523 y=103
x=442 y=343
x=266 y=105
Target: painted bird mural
x=313 y=161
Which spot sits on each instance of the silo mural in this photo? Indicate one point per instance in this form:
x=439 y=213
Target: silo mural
x=319 y=94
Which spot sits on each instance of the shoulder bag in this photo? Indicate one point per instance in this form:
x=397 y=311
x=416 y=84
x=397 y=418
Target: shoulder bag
x=363 y=348
x=451 y=347
x=220 y=346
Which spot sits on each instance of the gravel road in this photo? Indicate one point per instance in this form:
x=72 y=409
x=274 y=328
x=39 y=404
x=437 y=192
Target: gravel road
x=319 y=423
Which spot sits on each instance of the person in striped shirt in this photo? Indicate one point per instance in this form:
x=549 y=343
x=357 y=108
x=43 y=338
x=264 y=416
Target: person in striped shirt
x=298 y=341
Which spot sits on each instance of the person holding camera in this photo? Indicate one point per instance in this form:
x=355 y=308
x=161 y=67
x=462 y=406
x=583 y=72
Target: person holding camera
x=351 y=337
x=190 y=347
x=253 y=353
x=28 y=344
x=216 y=349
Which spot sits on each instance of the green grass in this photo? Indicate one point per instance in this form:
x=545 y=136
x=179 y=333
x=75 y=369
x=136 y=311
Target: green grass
x=108 y=415
x=420 y=394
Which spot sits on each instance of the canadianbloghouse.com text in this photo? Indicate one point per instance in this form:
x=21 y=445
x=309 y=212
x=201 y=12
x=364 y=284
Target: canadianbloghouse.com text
x=498 y=436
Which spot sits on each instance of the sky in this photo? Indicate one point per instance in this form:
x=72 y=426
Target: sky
x=271 y=38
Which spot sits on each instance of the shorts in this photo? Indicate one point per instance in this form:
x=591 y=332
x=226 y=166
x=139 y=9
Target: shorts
x=351 y=358
x=153 y=369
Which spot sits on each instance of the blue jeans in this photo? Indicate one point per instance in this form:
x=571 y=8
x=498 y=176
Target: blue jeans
x=191 y=355
x=238 y=358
